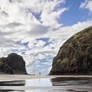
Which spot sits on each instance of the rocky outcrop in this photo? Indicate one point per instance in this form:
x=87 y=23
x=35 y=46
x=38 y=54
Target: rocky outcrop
x=75 y=56
x=13 y=64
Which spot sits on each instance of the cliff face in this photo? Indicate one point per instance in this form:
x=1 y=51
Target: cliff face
x=13 y=64
x=75 y=56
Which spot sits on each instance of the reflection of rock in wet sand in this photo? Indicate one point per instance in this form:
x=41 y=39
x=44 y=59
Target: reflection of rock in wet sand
x=10 y=84
x=48 y=84
x=11 y=90
x=73 y=84
x=58 y=81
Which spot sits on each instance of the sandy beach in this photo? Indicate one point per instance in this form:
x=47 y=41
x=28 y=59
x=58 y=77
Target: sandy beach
x=6 y=77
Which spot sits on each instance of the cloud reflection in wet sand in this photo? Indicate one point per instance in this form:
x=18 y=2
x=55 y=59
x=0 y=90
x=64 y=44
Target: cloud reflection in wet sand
x=47 y=85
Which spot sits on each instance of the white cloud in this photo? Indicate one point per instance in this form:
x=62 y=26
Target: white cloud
x=87 y=4
x=50 y=18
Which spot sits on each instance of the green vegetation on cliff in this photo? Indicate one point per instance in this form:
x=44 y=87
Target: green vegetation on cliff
x=13 y=64
x=75 y=56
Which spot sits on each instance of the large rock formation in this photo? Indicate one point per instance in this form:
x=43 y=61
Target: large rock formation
x=75 y=56
x=13 y=64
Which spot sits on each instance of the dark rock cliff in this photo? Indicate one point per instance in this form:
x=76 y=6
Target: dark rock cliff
x=75 y=56
x=13 y=64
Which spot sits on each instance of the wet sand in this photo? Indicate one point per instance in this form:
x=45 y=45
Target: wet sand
x=30 y=83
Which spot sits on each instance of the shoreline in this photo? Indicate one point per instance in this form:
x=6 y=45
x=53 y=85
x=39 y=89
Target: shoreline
x=6 y=77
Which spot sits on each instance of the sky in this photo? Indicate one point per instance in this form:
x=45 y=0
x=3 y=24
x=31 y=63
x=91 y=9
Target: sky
x=36 y=29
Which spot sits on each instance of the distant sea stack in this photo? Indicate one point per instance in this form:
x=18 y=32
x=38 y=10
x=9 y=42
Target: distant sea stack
x=75 y=56
x=13 y=64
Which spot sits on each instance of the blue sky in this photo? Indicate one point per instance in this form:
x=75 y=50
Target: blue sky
x=36 y=29
x=74 y=14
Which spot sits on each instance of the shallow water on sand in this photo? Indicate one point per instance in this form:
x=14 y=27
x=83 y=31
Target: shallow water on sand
x=57 y=84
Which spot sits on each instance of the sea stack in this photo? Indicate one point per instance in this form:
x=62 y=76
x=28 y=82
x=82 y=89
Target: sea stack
x=75 y=55
x=13 y=64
